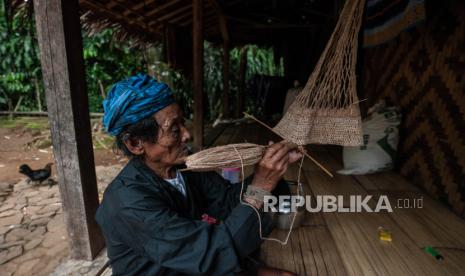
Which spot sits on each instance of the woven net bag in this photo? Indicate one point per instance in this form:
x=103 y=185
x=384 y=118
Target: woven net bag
x=327 y=111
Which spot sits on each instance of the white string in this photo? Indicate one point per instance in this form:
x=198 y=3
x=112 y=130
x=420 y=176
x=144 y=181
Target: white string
x=299 y=186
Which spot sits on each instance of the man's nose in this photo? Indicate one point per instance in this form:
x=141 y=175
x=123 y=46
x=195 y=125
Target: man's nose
x=186 y=136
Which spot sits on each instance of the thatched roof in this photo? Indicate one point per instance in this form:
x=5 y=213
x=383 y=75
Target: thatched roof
x=247 y=21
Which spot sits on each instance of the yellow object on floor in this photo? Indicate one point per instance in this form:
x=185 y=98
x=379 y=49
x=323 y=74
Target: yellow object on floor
x=384 y=235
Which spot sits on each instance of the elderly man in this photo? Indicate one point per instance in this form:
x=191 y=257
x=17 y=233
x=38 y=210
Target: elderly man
x=159 y=221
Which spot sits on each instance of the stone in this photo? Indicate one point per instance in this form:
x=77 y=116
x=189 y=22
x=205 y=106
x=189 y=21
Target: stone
x=59 y=248
x=39 y=221
x=17 y=234
x=33 y=244
x=8 y=213
x=54 y=262
x=29 y=210
x=84 y=270
x=36 y=233
x=46 y=215
x=11 y=220
x=5 y=207
x=47 y=188
x=5 y=186
x=49 y=208
x=31 y=193
x=5 y=229
x=8 y=201
x=20 y=205
x=34 y=199
x=51 y=239
x=27 y=268
x=27 y=220
x=12 y=253
x=21 y=185
x=31 y=254
x=48 y=201
x=57 y=224
x=11 y=244
x=9 y=268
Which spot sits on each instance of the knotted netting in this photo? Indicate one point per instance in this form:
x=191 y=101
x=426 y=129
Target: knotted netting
x=327 y=111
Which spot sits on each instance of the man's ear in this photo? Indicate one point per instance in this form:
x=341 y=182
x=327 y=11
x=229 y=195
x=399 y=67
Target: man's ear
x=135 y=146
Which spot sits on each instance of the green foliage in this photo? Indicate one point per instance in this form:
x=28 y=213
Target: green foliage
x=107 y=61
x=259 y=61
x=19 y=62
x=213 y=79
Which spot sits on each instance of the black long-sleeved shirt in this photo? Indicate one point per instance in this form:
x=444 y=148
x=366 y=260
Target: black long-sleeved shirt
x=150 y=228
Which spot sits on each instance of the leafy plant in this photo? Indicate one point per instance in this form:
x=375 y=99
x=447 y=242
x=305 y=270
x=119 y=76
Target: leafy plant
x=19 y=62
x=107 y=61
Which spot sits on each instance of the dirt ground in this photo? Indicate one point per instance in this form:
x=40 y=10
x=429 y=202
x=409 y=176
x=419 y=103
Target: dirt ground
x=33 y=237
x=14 y=153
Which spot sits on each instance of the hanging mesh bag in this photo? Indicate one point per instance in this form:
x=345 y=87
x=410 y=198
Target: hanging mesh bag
x=327 y=111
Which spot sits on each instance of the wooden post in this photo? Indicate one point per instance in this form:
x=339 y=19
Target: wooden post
x=60 y=42
x=241 y=88
x=197 y=72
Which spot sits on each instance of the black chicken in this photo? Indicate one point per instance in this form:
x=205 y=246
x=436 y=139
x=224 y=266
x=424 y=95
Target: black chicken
x=36 y=175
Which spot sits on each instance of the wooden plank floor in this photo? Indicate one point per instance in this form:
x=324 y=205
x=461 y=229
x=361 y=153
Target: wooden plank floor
x=348 y=243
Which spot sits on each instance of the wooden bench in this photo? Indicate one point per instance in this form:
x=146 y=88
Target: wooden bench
x=348 y=243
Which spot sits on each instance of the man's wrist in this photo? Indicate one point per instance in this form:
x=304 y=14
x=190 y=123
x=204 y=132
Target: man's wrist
x=255 y=195
x=255 y=203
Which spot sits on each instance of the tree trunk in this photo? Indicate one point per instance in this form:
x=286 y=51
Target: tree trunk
x=39 y=102
x=18 y=103
x=102 y=89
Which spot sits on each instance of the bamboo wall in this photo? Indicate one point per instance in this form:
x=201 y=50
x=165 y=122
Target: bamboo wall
x=423 y=72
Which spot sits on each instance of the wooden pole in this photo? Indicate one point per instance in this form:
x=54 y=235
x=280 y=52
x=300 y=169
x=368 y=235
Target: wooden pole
x=197 y=72
x=60 y=43
x=241 y=88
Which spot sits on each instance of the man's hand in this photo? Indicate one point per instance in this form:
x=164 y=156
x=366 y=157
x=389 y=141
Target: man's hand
x=274 y=164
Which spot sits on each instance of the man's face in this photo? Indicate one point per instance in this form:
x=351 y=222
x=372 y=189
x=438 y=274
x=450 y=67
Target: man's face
x=170 y=148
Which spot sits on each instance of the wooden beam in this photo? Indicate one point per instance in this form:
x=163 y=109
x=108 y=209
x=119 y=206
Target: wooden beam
x=94 y=6
x=188 y=21
x=129 y=10
x=276 y=27
x=162 y=7
x=139 y=6
x=245 y=20
x=182 y=18
x=197 y=72
x=171 y=14
x=60 y=43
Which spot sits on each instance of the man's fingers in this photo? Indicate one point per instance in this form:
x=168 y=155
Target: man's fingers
x=271 y=150
x=279 y=154
x=294 y=156
x=281 y=163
